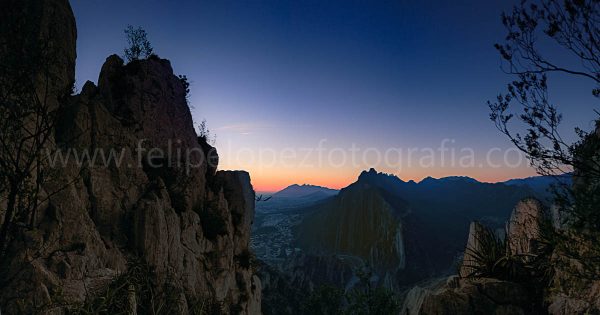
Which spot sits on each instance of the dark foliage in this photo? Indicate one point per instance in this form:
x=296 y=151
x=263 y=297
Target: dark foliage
x=30 y=102
x=186 y=85
x=571 y=25
x=493 y=259
x=246 y=259
x=139 y=46
x=205 y=135
x=134 y=291
x=325 y=300
x=213 y=223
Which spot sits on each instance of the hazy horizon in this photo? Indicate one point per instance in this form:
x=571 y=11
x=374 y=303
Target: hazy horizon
x=258 y=191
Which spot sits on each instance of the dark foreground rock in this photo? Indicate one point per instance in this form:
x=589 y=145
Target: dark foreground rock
x=468 y=296
x=175 y=213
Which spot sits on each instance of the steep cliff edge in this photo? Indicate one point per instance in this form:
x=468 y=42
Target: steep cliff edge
x=405 y=231
x=145 y=193
x=363 y=226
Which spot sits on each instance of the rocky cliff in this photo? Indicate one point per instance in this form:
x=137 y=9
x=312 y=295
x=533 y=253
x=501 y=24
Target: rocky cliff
x=406 y=231
x=475 y=290
x=535 y=272
x=361 y=223
x=156 y=202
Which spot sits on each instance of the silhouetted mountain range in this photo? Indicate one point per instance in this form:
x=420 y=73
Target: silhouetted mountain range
x=294 y=197
x=300 y=191
x=541 y=185
x=406 y=231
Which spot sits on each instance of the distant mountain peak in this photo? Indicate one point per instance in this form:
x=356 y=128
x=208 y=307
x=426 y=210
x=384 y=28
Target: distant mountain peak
x=305 y=186
x=372 y=173
x=446 y=179
x=295 y=191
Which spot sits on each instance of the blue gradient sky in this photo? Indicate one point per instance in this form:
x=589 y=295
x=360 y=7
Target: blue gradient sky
x=271 y=75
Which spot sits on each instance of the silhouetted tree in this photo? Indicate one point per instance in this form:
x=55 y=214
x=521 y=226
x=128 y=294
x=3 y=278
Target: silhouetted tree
x=570 y=24
x=205 y=134
x=532 y=27
x=139 y=45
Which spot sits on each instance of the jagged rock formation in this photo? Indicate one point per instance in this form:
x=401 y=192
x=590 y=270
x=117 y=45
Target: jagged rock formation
x=190 y=224
x=567 y=292
x=465 y=294
x=477 y=232
x=524 y=227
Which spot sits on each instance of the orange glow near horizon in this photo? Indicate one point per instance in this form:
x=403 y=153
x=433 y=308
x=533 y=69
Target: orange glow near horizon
x=273 y=180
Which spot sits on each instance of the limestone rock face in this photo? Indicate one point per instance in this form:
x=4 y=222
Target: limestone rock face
x=524 y=226
x=364 y=226
x=476 y=233
x=574 y=289
x=41 y=35
x=132 y=181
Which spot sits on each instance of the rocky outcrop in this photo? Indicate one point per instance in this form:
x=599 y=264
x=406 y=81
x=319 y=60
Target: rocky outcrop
x=477 y=232
x=133 y=183
x=575 y=288
x=568 y=291
x=469 y=292
x=468 y=296
x=524 y=228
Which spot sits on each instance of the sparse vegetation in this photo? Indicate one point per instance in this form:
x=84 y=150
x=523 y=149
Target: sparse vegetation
x=134 y=291
x=246 y=259
x=139 y=45
x=186 y=87
x=213 y=223
x=205 y=134
x=207 y=306
x=493 y=258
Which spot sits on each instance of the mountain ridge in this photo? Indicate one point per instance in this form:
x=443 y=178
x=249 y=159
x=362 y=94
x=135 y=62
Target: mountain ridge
x=296 y=191
x=425 y=220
